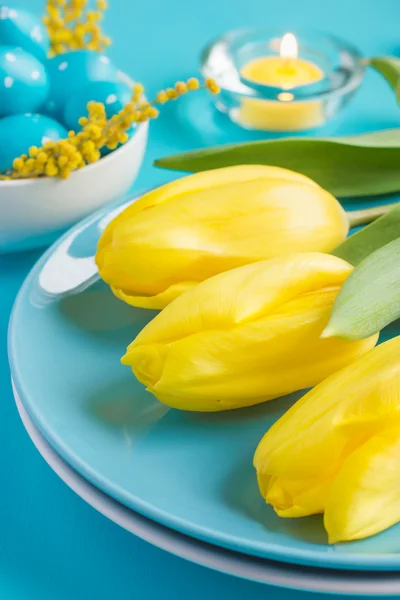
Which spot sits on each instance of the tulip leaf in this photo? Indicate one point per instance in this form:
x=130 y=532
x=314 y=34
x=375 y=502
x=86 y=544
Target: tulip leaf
x=370 y=298
x=369 y=239
x=359 y=165
x=389 y=68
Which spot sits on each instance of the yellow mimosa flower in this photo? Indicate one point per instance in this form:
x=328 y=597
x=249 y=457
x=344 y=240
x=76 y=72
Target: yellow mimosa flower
x=246 y=336
x=63 y=157
x=191 y=229
x=337 y=450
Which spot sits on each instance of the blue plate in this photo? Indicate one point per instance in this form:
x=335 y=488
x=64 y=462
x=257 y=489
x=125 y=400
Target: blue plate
x=308 y=579
x=191 y=472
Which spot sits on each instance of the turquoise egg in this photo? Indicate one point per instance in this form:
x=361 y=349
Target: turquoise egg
x=71 y=71
x=113 y=95
x=23 y=82
x=19 y=27
x=19 y=132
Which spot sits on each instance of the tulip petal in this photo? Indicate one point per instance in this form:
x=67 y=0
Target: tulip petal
x=192 y=238
x=212 y=222
x=197 y=182
x=295 y=498
x=254 y=361
x=157 y=302
x=365 y=496
x=337 y=450
x=245 y=336
x=334 y=418
x=200 y=181
x=243 y=294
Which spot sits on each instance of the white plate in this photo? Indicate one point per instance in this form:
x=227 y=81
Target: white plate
x=233 y=563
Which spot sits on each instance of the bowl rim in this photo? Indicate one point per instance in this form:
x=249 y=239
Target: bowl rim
x=30 y=181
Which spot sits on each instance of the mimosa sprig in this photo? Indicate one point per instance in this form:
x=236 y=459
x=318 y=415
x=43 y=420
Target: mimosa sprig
x=72 y=26
x=83 y=148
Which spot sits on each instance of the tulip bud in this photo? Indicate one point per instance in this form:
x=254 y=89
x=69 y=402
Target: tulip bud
x=191 y=229
x=246 y=336
x=337 y=450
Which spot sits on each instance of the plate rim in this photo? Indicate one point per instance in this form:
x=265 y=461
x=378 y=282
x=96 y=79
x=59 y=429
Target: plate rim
x=266 y=550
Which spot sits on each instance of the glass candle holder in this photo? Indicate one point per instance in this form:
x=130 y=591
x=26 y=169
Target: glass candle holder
x=282 y=83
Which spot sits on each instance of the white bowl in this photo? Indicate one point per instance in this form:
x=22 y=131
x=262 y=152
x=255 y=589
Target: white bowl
x=34 y=212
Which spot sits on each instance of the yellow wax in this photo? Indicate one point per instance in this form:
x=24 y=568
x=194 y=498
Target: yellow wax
x=282 y=114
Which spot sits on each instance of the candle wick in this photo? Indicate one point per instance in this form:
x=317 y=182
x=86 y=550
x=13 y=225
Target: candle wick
x=288 y=65
x=288 y=61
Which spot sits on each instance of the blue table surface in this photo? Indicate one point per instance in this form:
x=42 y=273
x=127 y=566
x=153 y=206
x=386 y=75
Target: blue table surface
x=52 y=545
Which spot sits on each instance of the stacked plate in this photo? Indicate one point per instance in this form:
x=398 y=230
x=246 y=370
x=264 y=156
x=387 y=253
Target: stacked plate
x=182 y=481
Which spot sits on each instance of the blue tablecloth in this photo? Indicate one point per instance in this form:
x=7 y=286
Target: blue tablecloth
x=52 y=545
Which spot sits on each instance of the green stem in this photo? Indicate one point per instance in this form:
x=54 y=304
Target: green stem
x=368 y=215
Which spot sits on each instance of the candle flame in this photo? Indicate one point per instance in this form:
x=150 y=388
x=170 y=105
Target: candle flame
x=289 y=47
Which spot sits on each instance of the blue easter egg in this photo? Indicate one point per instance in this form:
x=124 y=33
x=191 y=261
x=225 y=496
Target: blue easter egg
x=113 y=95
x=23 y=82
x=19 y=27
x=74 y=70
x=19 y=132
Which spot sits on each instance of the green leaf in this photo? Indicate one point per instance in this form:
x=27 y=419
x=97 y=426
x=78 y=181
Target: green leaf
x=360 y=165
x=365 y=241
x=370 y=297
x=389 y=68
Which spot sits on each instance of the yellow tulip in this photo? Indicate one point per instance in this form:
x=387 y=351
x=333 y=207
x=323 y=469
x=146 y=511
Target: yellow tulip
x=191 y=229
x=246 y=336
x=337 y=450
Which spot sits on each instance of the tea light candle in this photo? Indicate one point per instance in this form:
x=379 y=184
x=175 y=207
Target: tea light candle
x=285 y=71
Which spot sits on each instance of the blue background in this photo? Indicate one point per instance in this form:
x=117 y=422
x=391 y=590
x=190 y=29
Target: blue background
x=52 y=545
